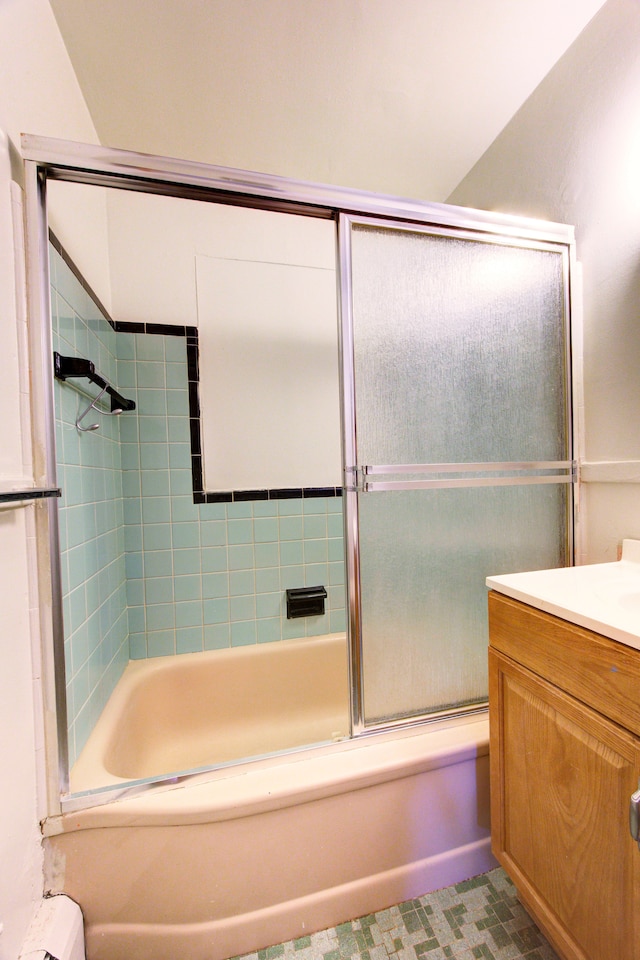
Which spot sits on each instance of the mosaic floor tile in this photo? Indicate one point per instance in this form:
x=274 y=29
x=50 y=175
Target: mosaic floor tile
x=479 y=919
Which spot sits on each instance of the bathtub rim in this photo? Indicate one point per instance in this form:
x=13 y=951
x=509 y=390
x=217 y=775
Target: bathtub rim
x=293 y=777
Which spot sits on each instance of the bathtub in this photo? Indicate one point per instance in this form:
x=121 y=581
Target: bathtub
x=172 y=714
x=254 y=853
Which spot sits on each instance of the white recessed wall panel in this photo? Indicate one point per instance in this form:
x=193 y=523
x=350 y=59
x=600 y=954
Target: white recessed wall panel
x=269 y=385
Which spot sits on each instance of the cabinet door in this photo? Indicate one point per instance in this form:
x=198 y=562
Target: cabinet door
x=561 y=778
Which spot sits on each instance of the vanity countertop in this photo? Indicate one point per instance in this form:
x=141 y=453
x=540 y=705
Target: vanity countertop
x=604 y=597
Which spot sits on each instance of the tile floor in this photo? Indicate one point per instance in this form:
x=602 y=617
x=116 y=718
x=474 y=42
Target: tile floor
x=480 y=919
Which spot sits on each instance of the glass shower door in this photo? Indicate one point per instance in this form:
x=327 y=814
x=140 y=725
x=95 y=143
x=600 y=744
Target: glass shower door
x=458 y=449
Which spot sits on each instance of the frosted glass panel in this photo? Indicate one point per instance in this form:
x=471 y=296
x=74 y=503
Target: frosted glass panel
x=459 y=357
x=459 y=350
x=424 y=559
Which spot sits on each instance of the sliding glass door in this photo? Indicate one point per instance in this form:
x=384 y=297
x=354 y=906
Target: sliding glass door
x=458 y=449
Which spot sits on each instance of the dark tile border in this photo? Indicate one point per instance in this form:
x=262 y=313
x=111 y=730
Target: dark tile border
x=200 y=495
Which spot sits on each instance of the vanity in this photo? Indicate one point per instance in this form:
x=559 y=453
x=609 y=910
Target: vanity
x=564 y=695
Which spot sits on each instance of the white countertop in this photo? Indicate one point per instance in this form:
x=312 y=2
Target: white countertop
x=604 y=597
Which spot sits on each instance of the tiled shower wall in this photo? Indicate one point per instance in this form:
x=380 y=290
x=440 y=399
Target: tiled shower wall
x=92 y=538
x=205 y=576
x=178 y=577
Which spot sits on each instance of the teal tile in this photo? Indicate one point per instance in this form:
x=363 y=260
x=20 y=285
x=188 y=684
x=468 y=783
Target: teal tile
x=138 y=646
x=153 y=483
x=152 y=403
x=161 y=643
x=240 y=531
x=156 y=509
x=265 y=508
x=214 y=559
x=137 y=619
x=175 y=350
x=186 y=561
x=269 y=605
x=160 y=616
x=132 y=510
x=186 y=535
x=291 y=577
x=149 y=346
x=268 y=631
x=216 y=610
x=315 y=551
x=129 y=427
x=183 y=510
x=126 y=346
x=242 y=608
x=317 y=626
x=217 y=636
x=335 y=550
x=266 y=555
x=316 y=574
x=180 y=455
x=177 y=403
x=154 y=456
x=243 y=633
x=181 y=482
x=188 y=587
x=291 y=552
x=133 y=565
x=157 y=536
x=265 y=530
x=315 y=527
x=158 y=590
x=267 y=580
x=215 y=585
x=290 y=528
x=158 y=563
x=241 y=582
x=176 y=375
x=133 y=537
x=178 y=429
x=336 y=573
x=188 y=613
x=334 y=505
x=335 y=526
x=135 y=592
x=189 y=639
x=153 y=429
x=239 y=510
x=213 y=533
x=212 y=511
x=241 y=557
x=151 y=375
x=290 y=508
x=316 y=505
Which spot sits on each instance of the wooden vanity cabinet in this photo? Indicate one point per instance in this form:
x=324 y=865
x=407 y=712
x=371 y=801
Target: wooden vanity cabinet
x=564 y=708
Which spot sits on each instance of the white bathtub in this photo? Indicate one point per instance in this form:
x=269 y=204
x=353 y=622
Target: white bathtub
x=262 y=852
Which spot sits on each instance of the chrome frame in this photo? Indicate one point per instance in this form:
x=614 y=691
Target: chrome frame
x=559 y=240
x=47 y=158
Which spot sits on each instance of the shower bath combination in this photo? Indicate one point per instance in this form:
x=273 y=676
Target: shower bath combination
x=442 y=343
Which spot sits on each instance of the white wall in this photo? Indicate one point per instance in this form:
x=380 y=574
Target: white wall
x=38 y=94
x=261 y=288
x=572 y=154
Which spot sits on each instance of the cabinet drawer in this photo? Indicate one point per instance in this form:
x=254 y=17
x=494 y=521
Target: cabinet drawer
x=597 y=671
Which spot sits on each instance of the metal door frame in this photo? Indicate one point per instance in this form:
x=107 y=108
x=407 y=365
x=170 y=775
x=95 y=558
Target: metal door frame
x=53 y=159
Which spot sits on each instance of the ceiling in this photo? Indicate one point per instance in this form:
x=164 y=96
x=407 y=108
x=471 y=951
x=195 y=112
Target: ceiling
x=394 y=96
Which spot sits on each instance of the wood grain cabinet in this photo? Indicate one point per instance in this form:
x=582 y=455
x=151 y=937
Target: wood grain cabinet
x=565 y=760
